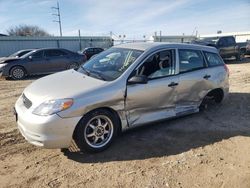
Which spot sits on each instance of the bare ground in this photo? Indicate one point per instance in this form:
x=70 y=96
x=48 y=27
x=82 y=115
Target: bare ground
x=207 y=149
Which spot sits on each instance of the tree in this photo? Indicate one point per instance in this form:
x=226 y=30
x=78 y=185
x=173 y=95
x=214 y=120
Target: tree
x=27 y=30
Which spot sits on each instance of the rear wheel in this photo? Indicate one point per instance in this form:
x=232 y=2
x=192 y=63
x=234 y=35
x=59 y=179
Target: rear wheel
x=215 y=96
x=96 y=131
x=17 y=73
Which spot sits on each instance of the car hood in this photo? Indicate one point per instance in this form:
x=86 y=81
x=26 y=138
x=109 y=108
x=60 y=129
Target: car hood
x=66 y=84
x=8 y=59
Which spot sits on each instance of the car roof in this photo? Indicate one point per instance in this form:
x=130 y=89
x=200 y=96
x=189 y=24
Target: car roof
x=158 y=45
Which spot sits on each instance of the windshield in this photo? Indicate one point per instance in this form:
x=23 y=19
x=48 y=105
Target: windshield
x=110 y=64
x=20 y=53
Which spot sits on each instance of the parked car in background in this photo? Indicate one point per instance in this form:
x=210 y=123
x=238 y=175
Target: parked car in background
x=121 y=88
x=89 y=52
x=40 y=61
x=226 y=46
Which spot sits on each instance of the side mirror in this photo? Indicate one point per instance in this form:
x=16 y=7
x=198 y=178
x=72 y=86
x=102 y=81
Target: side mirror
x=30 y=58
x=139 y=79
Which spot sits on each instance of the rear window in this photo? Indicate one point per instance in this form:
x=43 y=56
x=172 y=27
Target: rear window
x=213 y=59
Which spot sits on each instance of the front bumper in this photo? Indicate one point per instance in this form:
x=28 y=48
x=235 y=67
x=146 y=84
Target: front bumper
x=46 y=131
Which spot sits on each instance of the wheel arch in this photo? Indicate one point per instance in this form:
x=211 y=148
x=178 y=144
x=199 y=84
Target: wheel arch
x=218 y=93
x=114 y=112
x=25 y=70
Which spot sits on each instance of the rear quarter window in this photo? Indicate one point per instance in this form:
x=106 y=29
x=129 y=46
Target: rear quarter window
x=213 y=59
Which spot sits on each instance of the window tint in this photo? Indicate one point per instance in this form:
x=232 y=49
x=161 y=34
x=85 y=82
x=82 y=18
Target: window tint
x=230 y=41
x=38 y=54
x=213 y=59
x=158 y=65
x=54 y=53
x=190 y=60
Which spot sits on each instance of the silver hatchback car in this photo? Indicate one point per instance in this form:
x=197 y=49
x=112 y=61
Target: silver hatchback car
x=121 y=88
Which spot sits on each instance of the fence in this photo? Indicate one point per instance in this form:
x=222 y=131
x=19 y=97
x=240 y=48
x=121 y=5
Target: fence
x=9 y=45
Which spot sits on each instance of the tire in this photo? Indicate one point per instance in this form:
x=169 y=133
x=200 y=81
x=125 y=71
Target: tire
x=17 y=73
x=73 y=66
x=215 y=96
x=96 y=131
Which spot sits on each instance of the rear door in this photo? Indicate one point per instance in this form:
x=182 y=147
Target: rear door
x=193 y=84
x=156 y=99
x=58 y=60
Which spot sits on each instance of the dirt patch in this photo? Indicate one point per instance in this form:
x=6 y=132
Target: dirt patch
x=207 y=149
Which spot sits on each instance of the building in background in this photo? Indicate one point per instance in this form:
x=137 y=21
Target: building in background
x=11 y=44
x=175 y=38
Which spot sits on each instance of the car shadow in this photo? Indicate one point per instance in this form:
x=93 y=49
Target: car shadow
x=171 y=137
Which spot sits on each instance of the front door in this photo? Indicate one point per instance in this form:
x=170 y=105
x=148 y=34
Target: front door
x=156 y=99
x=37 y=63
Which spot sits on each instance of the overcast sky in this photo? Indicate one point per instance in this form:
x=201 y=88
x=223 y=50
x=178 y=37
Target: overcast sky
x=134 y=18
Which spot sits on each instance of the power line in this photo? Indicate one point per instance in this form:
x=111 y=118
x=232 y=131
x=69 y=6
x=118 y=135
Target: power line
x=59 y=17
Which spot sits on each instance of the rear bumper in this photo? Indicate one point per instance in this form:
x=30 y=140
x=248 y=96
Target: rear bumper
x=46 y=131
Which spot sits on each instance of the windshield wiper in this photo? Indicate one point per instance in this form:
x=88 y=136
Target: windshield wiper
x=97 y=74
x=85 y=70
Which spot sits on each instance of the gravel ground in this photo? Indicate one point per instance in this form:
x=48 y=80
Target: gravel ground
x=207 y=149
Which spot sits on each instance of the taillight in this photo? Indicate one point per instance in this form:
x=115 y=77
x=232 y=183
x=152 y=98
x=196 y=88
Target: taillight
x=226 y=68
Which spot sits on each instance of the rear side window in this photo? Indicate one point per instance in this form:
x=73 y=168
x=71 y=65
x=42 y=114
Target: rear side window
x=213 y=59
x=190 y=60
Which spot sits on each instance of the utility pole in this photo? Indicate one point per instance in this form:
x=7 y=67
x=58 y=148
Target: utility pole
x=80 y=43
x=160 y=36
x=59 y=17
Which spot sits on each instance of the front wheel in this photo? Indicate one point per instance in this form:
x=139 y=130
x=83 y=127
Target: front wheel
x=17 y=73
x=96 y=131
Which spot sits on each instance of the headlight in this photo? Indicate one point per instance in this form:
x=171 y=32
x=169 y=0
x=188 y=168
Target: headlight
x=52 y=106
x=2 y=65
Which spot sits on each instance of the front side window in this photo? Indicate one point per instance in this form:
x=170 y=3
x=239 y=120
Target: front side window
x=38 y=54
x=213 y=59
x=158 y=65
x=190 y=60
x=111 y=63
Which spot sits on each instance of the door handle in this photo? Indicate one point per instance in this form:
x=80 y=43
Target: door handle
x=172 y=84
x=206 y=76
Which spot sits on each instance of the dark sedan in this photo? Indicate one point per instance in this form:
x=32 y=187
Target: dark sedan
x=40 y=61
